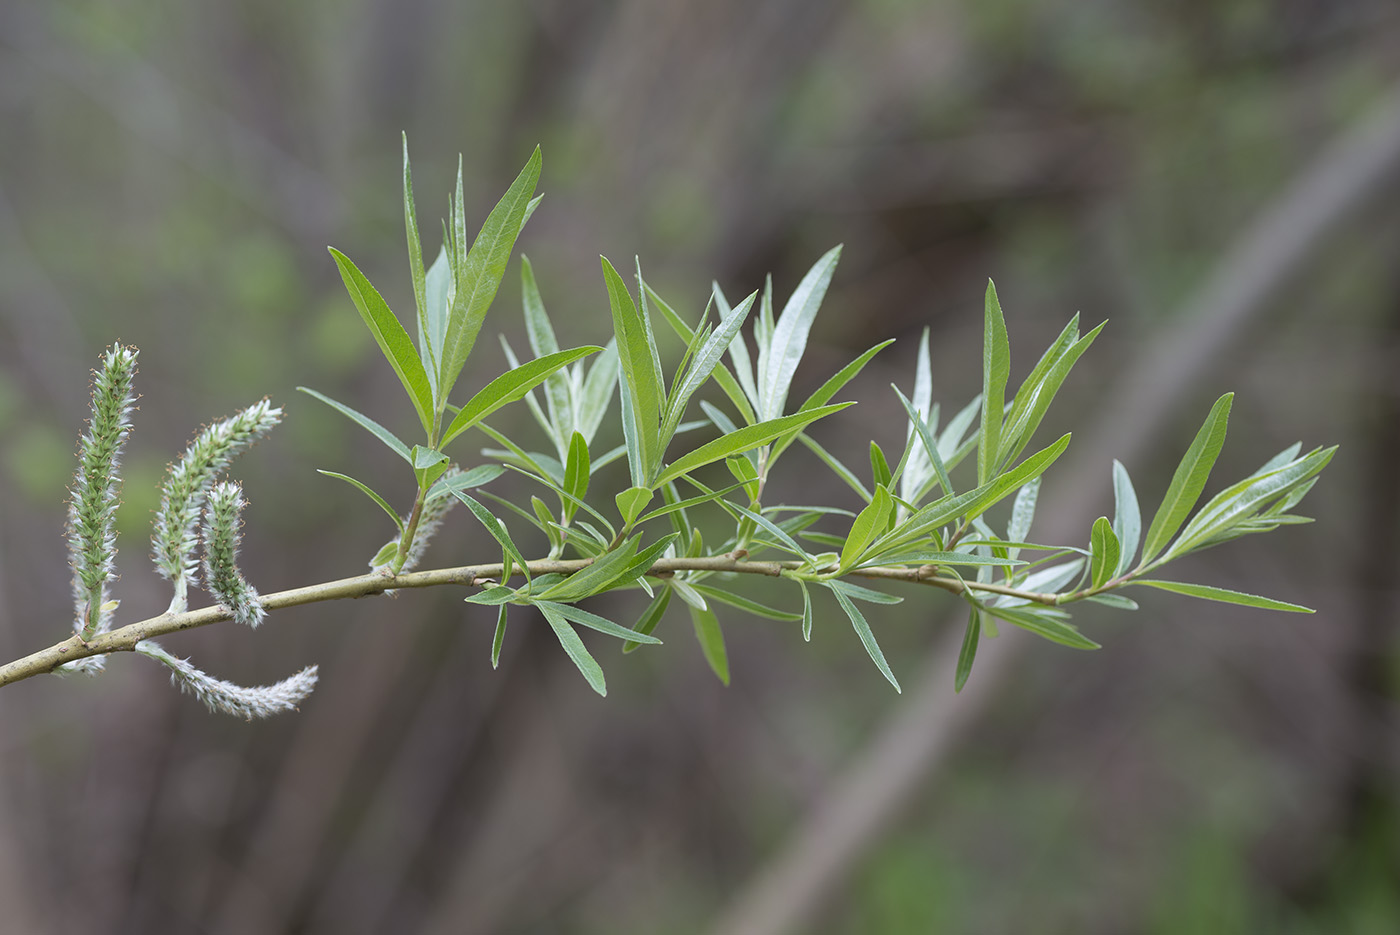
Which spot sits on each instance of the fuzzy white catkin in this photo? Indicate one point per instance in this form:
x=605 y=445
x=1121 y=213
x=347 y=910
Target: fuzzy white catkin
x=222 y=518
x=187 y=483
x=258 y=701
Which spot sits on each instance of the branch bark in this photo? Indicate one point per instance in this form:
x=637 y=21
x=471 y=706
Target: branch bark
x=124 y=639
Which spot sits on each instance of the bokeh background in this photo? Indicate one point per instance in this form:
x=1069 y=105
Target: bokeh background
x=1217 y=178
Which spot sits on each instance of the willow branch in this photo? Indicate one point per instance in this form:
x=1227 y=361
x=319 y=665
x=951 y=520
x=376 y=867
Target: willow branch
x=124 y=639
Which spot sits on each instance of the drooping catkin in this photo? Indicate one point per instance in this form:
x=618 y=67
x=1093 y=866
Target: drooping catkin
x=225 y=697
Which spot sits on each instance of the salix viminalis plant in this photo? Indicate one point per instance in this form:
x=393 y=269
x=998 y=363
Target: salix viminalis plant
x=923 y=519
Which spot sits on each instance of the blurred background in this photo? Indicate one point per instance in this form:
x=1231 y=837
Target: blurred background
x=1217 y=178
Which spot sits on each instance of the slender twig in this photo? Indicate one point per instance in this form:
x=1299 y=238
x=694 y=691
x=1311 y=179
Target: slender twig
x=124 y=639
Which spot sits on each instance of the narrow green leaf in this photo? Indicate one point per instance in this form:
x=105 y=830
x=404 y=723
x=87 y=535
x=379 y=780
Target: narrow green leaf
x=598 y=389
x=479 y=273
x=1114 y=600
x=438 y=290
x=711 y=593
x=509 y=387
x=1040 y=623
x=368 y=493
x=478 y=476
x=576 y=470
x=867 y=638
x=790 y=334
x=1023 y=511
x=879 y=466
x=711 y=639
x=750 y=436
x=573 y=647
x=806 y=611
x=930 y=447
x=595 y=578
x=868 y=524
x=1221 y=594
x=839 y=469
x=1040 y=387
x=650 y=617
x=641 y=563
x=558 y=396
x=972 y=503
x=685 y=504
x=996 y=369
x=499 y=639
x=639 y=369
x=784 y=540
x=594 y=622
x=427 y=353
x=935 y=557
x=631 y=502
x=1189 y=479
x=843 y=376
x=869 y=595
x=705 y=362
x=494 y=527
x=968 y=652
x=1103 y=552
x=1127 y=519
x=391 y=337
x=378 y=431
x=721 y=374
x=494 y=595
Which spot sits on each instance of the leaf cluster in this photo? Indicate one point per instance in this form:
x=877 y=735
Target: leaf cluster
x=923 y=518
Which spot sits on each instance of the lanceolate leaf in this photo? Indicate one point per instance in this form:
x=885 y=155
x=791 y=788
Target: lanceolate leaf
x=1221 y=594
x=1021 y=425
x=711 y=639
x=868 y=524
x=867 y=638
x=509 y=387
x=594 y=622
x=379 y=431
x=575 y=650
x=479 y=275
x=790 y=334
x=363 y=488
x=391 y=337
x=1127 y=520
x=543 y=343
x=416 y=271
x=996 y=369
x=743 y=603
x=703 y=365
x=750 y=436
x=576 y=470
x=968 y=652
x=1103 y=551
x=494 y=527
x=1189 y=479
x=823 y=393
x=639 y=368
x=650 y=617
x=1042 y=623
x=597 y=577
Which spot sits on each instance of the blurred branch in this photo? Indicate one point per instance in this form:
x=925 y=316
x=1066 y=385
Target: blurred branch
x=1340 y=183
